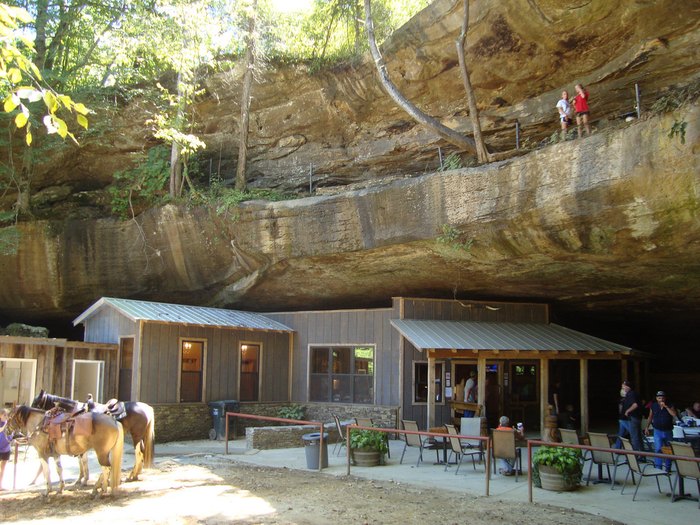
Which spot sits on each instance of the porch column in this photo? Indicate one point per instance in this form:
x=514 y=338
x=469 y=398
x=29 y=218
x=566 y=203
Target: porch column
x=430 y=420
x=544 y=396
x=481 y=382
x=583 y=391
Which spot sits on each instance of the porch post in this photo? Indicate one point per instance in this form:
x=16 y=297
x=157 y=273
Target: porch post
x=544 y=396
x=481 y=382
x=583 y=391
x=431 y=391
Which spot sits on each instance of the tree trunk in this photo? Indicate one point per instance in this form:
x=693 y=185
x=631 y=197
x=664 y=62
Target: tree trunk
x=175 y=156
x=42 y=18
x=245 y=101
x=482 y=153
x=453 y=137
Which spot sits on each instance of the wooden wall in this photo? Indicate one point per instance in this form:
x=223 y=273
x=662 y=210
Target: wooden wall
x=345 y=327
x=160 y=360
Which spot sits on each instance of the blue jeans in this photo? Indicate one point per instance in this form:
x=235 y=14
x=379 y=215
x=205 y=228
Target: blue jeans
x=506 y=465
x=661 y=438
x=635 y=431
x=622 y=432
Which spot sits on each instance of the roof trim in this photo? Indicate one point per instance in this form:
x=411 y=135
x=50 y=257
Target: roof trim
x=168 y=313
x=501 y=336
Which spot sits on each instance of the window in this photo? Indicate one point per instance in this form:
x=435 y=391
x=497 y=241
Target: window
x=191 y=371
x=342 y=374
x=87 y=379
x=420 y=382
x=250 y=372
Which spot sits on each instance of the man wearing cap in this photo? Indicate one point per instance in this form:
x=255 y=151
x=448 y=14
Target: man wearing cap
x=661 y=416
x=630 y=417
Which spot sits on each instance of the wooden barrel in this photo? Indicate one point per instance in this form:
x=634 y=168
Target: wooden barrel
x=551 y=429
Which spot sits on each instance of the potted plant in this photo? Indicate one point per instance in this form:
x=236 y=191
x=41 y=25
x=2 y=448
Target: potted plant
x=368 y=447
x=557 y=468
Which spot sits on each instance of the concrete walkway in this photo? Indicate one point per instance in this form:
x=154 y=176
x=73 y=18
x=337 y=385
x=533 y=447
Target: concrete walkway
x=650 y=508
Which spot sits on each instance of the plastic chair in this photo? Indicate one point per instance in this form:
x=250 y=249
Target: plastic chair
x=647 y=471
x=460 y=449
x=504 y=448
x=413 y=440
x=606 y=459
x=686 y=469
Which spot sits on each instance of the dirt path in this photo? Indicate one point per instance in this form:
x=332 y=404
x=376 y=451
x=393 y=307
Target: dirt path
x=209 y=490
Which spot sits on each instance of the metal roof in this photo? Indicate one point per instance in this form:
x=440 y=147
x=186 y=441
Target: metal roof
x=183 y=314
x=472 y=335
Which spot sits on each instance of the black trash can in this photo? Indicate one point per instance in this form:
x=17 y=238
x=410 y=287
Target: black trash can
x=312 y=442
x=218 y=411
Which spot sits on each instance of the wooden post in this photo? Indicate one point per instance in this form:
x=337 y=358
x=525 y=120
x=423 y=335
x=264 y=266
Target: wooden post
x=583 y=394
x=481 y=381
x=544 y=397
x=430 y=416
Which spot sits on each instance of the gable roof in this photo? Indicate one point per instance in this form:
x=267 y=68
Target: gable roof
x=183 y=314
x=473 y=335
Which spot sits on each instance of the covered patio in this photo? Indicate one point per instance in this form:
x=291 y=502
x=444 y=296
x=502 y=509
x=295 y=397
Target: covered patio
x=502 y=349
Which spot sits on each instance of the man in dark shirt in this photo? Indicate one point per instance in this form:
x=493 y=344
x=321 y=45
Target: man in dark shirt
x=630 y=417
x=661 y=416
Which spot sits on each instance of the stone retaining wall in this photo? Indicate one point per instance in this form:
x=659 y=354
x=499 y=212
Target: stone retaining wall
x=182 y=421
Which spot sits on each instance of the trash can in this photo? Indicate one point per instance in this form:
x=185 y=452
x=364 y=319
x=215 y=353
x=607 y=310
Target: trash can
x=312 y=442
x=218 y=411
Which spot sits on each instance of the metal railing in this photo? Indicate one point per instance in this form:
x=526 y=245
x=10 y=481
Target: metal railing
x=540 y=443
x=445 y=436
x=278 y=420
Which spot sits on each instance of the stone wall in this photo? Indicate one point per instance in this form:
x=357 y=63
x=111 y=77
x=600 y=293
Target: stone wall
x=182 y=421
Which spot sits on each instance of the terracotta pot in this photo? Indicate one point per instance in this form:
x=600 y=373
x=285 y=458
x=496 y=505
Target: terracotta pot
x=365 y=457
x=552 y=479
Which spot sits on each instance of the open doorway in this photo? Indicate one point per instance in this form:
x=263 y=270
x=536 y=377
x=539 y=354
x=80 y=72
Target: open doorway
x=564 y=382
x=17 y=379
x=87 y=379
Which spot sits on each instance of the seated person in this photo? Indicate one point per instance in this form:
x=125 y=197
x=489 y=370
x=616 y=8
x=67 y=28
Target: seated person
x=693 y=411
x=507 y=467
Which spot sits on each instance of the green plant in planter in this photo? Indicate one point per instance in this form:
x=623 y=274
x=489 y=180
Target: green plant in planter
x=292 y=412
x=567 y=461
x=369 y=439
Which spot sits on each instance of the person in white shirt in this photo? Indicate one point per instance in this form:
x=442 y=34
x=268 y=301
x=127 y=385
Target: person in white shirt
x=564 y=109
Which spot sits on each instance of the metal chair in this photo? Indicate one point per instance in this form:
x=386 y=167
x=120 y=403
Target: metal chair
x=413 y=440
x=504 y=448
x=606 y=459
x=461 y=448
x=686 y=469
x=571 y=437
x=647 y=471
x=342 y=439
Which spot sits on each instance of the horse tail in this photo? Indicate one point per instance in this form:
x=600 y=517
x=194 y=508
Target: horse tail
x=149 y=440
x=116 y=460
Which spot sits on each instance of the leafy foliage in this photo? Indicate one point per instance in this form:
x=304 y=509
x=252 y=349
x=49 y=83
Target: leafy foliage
x=144 y=184
x=567 y=461
x=452 y=162
x=225 y=199
x=371 y=439
x=451 y=236
x=292 y=412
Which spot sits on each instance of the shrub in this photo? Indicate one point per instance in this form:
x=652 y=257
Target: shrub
x=566 y=461
x=369 y=439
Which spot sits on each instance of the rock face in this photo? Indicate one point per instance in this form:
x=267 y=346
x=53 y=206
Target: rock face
x=605 y=225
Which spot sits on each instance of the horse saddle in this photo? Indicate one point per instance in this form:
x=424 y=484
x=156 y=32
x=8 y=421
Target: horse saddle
x=113 y=407
x=56 y=423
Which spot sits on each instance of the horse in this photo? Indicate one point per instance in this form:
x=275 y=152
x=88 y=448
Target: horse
x=102 y=434
x=137 y=418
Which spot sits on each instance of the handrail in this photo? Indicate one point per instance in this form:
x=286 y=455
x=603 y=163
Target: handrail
x=279 y=420
x=537 y=442
x=350 y=428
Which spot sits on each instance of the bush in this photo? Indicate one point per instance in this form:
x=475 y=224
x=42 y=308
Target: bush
x=292 y=412
x=369 y=439
x=566 y=461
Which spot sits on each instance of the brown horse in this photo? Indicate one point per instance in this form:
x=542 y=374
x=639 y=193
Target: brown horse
x=105 y=437
x=137 y=419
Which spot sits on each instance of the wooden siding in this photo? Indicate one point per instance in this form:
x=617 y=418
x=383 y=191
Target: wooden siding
x=160 y=359
x=346 y=327
x=485 y=311
x=54 y=362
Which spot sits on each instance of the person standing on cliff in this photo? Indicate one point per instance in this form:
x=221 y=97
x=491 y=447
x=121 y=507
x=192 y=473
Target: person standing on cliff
x=564 y=109
x=582 y=110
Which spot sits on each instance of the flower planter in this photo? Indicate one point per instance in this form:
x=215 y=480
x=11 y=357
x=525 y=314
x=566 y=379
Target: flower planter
x=552 y=479
x=365 y=457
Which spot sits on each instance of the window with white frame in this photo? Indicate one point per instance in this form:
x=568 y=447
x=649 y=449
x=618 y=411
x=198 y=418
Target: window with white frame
x=342 y=374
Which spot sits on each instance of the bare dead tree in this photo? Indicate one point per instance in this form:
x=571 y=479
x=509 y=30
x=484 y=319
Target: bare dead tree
x=482 y=153
x=453 y=137
x=245 y=98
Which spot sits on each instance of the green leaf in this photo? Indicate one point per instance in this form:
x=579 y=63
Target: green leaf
x=15 y=75
x=83 y=121
x=28 y=138
x=50 y=101
x=80 y=108
x=11 y=103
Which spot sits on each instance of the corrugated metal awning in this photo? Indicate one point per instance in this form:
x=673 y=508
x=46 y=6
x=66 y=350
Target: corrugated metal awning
x=184 y=314
x=472 y=335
